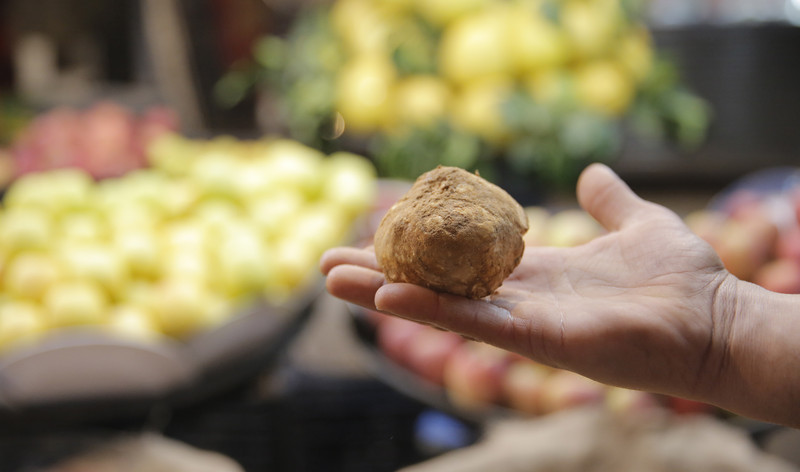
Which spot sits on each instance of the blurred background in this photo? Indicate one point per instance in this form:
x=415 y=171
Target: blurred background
x=172 y=170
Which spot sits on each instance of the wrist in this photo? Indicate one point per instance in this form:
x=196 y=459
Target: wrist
x=755 y=372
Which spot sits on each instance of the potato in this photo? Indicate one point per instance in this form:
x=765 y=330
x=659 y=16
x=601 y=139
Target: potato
x=452 y=232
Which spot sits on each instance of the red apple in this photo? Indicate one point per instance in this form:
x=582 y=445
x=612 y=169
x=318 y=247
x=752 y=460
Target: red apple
x=107 y=139
x=787 y=246
x=474 y=375
x=779 y=275
x=745 y=245
x=429 y=351
x=394 y=336
x=524 y=384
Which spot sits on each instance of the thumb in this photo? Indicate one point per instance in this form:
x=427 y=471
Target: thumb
x=608 y=199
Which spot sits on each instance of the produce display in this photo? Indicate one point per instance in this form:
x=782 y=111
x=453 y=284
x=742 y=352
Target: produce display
x=453 y=232
x=176 y=248
x=105 y=139
x=756 y=231
x=538 y=86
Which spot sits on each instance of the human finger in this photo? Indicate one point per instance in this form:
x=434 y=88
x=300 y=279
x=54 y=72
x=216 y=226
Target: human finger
x=355 y=284
x=608 y=199
x=347 y=255
x=476 y=319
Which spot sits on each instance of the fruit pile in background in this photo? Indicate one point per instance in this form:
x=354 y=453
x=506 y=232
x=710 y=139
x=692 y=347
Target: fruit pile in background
x=105 y=140
x=757 y=235
x=543 y=85
x=177 y=247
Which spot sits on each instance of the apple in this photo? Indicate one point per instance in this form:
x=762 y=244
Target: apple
x=565 y=389
x=215 y=174
x=474 y=375
x=25 y=229
x=271 y=212
x=429 y=351
x=779 y=275
x=349 y=182
x=83 y=226
x=295 y=166
x=107 y=140
x=243 y=263
x=75 y=302
x=98 y=263
x=183 y=306
x=524 y=385
x=394 y=336
x=746 y=244
x=21 y=322
x=133 y=322
x=29 y=275
x=140 y=250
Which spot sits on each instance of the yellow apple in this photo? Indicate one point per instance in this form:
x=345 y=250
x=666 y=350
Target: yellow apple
x=475 y=46
x=363 y=92
x=97 y=263
x=216 y=174
x=29 y=275
x=22 y=229
x=183 y=306
x=269 y=213
x=140 y=250
x=83 y=226
x=75 y=302
x=477 y=108
x=350 y=183
x=244 y=264
x=569 y=228
x=604 y=86
x=420 y=100
x=133 y=322
x=21 y=322
x=535 y=43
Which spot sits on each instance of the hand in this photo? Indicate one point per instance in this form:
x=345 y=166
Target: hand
x=648 y=306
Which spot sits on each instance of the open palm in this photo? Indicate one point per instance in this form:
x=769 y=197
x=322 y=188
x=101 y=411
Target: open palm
x=636 y=307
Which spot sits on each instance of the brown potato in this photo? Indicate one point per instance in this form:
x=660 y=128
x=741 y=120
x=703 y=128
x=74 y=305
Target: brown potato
x=452 y=232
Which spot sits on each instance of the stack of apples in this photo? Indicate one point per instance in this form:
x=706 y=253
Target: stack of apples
x=478 y=377
x=757 y=236
x=105 y=140
x=175 y=248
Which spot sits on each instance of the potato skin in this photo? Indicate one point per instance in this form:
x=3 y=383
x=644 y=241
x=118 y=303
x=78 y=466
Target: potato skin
x=452 y=232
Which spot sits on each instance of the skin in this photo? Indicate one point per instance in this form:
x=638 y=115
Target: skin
x=647 y=306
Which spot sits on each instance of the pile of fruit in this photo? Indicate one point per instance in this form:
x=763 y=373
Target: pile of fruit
x=757 y=235
x=542 y=83
x=105 y=140
x=175 y=248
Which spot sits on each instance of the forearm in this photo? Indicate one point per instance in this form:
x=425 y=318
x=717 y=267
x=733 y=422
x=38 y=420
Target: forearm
x=758 y=354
